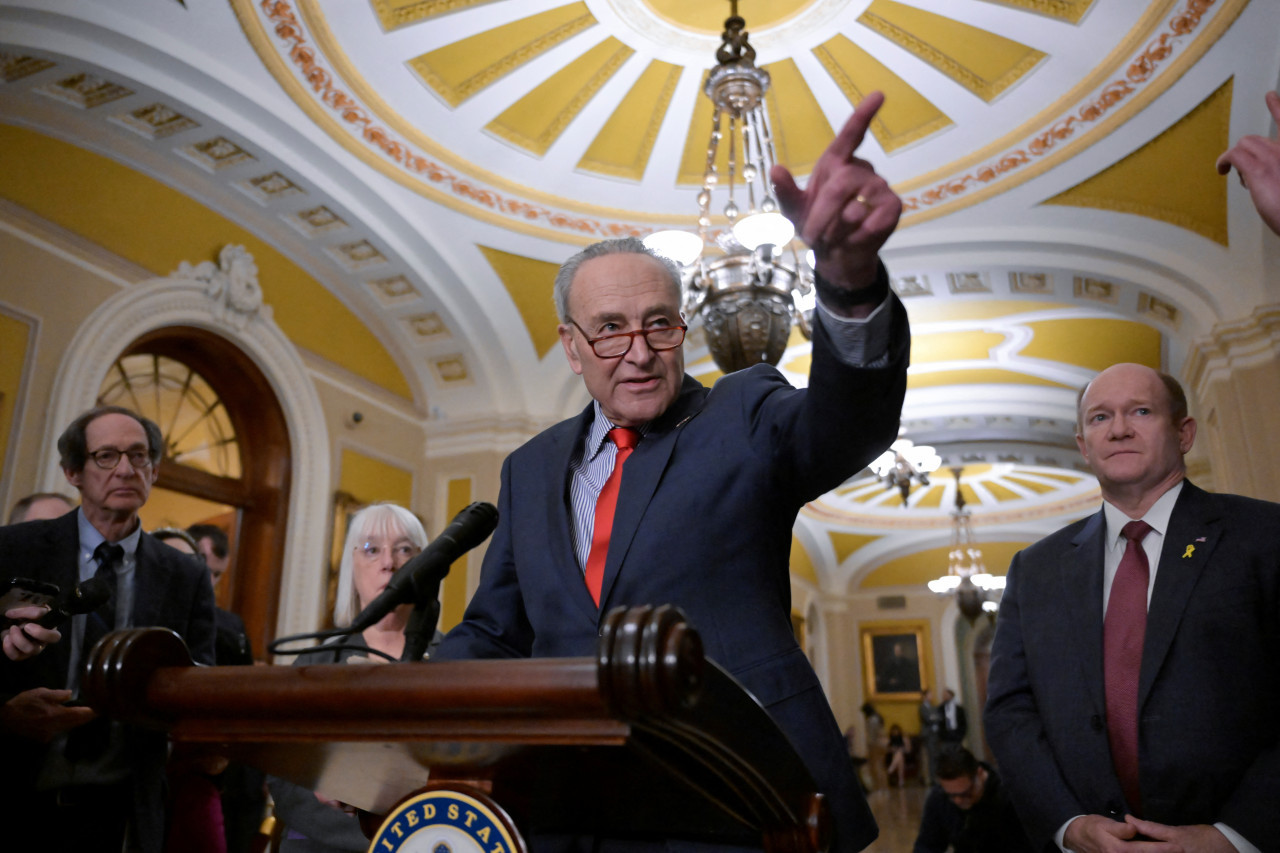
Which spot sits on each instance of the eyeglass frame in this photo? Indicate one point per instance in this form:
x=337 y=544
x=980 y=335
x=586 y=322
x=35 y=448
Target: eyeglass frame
x=644 y=333
x=361 y=550
x=146 y=462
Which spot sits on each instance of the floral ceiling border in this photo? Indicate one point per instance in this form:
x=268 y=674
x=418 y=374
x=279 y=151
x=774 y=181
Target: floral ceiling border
x=284 y=42
x=280 y=35
x=1163 y=59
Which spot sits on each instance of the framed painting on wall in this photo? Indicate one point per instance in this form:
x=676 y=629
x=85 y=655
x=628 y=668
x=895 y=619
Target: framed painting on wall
x=895 y=659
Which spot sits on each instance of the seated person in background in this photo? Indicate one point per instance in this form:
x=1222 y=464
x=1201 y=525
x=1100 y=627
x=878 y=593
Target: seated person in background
x=899 y=747
x=40 y=506
x=381 y=539
x=968 y=811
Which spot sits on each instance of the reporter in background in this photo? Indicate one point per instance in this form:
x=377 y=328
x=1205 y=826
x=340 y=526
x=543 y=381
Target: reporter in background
x=40 y=506
x=380 y=539
x=78 y=781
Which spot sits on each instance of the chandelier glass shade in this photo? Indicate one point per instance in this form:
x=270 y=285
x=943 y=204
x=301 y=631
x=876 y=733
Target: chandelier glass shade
x=746 y=291
x=905 y=463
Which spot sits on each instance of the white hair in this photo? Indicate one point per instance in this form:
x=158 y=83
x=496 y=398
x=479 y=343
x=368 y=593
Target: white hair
x=385 y=520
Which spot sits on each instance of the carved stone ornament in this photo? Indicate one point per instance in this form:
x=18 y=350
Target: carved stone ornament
x=232 y=284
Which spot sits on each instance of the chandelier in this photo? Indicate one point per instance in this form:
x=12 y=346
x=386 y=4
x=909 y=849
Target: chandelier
x=748 y=294
x=966 y=578
x=904 y=463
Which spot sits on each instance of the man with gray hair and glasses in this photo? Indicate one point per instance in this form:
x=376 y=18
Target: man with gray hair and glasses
x=701 y=517
x=74 y=780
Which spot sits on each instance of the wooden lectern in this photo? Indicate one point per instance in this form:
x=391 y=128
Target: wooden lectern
x=650 y=739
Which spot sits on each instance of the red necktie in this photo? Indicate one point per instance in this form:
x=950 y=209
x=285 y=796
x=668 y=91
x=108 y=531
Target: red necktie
x=605 y=505
x=1122 y=635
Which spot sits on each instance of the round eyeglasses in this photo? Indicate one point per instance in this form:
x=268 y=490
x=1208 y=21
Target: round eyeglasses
x=659 y=339
x=108 y=458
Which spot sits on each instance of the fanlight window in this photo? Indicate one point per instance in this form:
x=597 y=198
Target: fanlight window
x=197 y=430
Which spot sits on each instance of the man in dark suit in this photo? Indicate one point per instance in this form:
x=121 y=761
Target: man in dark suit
x=711 y=490
x=74 y=781
x=955 y=723
x=1160 y=722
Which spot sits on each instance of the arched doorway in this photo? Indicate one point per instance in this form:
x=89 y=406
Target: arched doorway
x=227 y=455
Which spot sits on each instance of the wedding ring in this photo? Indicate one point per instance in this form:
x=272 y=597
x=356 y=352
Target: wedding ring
x=861 y=199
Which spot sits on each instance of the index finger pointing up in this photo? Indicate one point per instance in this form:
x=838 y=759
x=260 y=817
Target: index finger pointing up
x=855 y=129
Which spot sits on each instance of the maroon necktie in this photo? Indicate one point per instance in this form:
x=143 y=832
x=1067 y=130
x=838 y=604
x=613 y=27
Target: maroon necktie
x=605 y=505
x=1122 y=634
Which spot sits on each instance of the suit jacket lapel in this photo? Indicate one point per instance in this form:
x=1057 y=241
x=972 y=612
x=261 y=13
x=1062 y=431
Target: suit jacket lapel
x=641 y=476
x=1189 y=542
x=1082 y=595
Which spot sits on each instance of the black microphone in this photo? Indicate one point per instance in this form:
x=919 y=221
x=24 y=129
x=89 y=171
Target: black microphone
x=422 y=575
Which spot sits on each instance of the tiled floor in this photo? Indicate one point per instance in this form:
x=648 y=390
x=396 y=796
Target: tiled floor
x=897 y=810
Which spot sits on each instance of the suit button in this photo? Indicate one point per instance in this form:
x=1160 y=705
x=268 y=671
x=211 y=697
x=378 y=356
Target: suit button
x=1095 y=723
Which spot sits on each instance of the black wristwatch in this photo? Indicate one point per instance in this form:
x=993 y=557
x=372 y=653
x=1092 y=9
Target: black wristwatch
x=841 y=298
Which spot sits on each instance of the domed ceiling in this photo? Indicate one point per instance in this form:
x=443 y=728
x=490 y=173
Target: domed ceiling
x=430 y=162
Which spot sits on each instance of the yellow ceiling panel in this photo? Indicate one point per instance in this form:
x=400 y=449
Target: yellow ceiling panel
x=709 y=17
x=999 y=492
x=1070 y=11
x=800 y=128
x=157 y=227
x=1031 y=485
x=846 y=543
x=393 y=14
x=1160 y=180
x=459 y=70
x=923 y=566
x=952 y=346
x=622 y=147
x=530 y=283
x=537 y=120
x=980 y=376
x=906 y=115
x=931 y=499
x=801 y=563
x=982 y=62
x=1094 y=343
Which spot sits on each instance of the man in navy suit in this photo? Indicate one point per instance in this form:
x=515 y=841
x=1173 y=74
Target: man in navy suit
x=712 y=488
x=1194 y=765
x=72 y=780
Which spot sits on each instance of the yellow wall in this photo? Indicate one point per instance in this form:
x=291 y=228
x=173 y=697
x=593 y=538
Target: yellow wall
x=157 y=228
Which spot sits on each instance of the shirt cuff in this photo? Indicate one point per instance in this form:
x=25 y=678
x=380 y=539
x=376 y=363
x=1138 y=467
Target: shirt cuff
x=1237 y=840
x=858 y=342
x=1060 y=836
